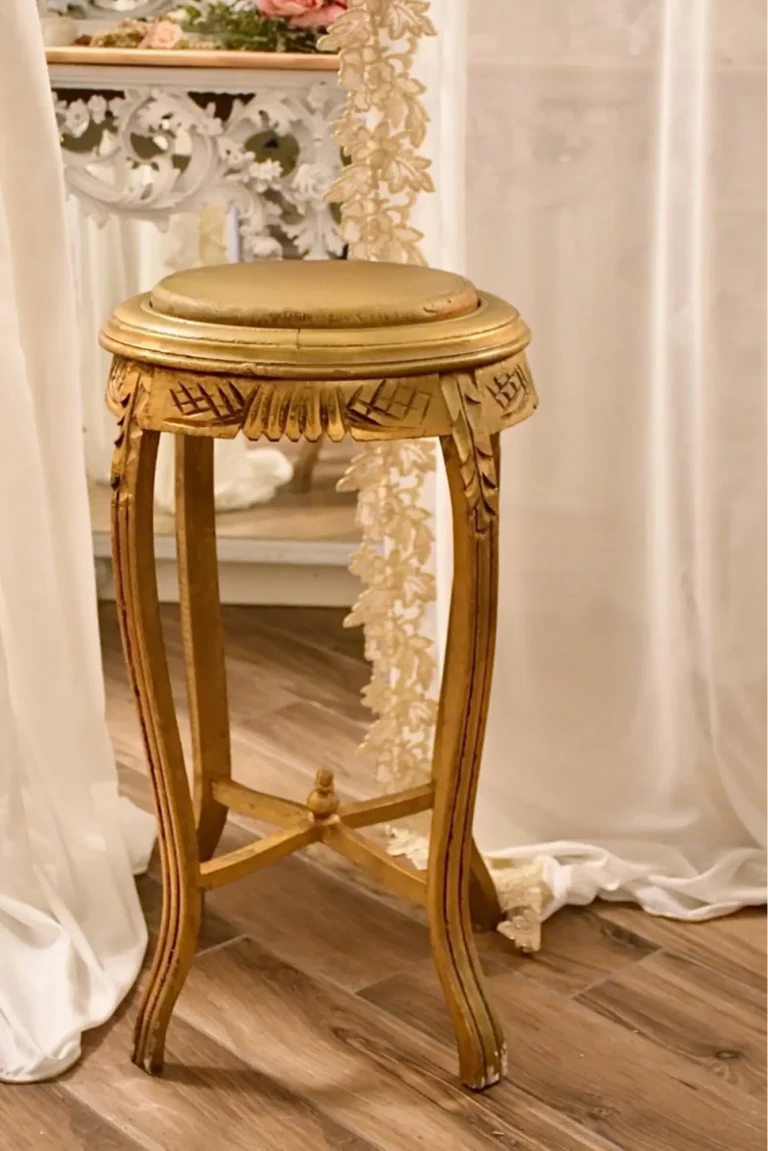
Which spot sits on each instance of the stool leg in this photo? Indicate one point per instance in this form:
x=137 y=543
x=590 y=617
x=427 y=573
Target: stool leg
x=202 y=636
x=139 y=613
x=458 y=746
x=309 y=454
x=483 y=897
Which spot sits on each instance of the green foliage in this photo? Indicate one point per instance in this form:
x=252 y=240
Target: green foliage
x=243 y=28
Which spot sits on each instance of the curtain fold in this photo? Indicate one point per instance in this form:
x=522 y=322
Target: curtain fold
x=72 y=935
x=616 y=194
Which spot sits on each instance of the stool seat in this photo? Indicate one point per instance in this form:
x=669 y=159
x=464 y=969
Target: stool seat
x=314 y=294
x=321 y=319
x=304 y=350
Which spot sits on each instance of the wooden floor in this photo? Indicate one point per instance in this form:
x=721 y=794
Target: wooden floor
x=312 y=1020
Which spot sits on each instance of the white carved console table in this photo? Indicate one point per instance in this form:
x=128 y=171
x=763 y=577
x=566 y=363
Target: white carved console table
x=151 y=133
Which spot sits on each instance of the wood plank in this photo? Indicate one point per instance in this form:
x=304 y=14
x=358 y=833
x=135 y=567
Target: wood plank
x=206 y=1099
x=280 y=733
x=579 y=949
x=735 y=945
x=292 y=704
x=308 y=912
x=324 y=627
x=44 y=1117
x=299 y=666
x=254 y=689
x=603 y=1077
x=321 y=925
x=256 y=682
x=256 y=761
x=390 y=1085
x=716 y=1022
x=318 y=627
x=314 y=920
x=315 y=736
x=290 y=655
x=260 y=763
x=330 y=862
x=584 y=1079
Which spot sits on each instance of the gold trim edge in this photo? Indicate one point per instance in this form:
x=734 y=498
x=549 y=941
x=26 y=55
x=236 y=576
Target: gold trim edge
x=190 y=58
x=493 y=333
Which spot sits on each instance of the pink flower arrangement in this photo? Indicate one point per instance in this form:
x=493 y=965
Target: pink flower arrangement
x=303 y=13
x=162 y=34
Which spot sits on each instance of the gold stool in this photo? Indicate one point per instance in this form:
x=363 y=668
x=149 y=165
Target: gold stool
x=306 y=349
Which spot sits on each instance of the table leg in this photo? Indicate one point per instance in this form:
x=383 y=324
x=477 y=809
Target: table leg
x=202 y=636
x=304 y=468
x=139 y=614
x=460 y=732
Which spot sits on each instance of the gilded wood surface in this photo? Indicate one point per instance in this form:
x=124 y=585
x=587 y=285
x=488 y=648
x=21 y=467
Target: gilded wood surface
x=136 y=593
x=466 y=410
x=468 y=406
x=189 y=58
x=471 y=458
x=202 y=639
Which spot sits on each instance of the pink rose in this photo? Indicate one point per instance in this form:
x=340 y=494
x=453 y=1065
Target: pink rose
x=304 y=13
x=162 y=34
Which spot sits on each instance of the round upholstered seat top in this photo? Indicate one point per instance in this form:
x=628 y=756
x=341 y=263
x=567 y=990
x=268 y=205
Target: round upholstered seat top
x=314 y=294
x=313 y=319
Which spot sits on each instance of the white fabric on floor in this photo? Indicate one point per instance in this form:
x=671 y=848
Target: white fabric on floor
x=616 y=194
x=72 y=935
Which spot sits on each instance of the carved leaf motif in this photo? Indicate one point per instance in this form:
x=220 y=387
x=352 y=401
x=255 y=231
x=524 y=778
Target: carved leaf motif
x=116 y=386
x=400 y=405
x=121 y=397
x=510 y=386
x=210 y=401
x=474 y=448
x=296 y=410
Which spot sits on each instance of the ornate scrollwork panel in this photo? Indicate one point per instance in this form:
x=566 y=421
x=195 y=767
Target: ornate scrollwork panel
x=115 y=10
x=150 y=152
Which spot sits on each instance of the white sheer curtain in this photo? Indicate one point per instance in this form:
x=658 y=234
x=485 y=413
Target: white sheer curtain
x=441 y=64
x=616 y=194
x=72 y=935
